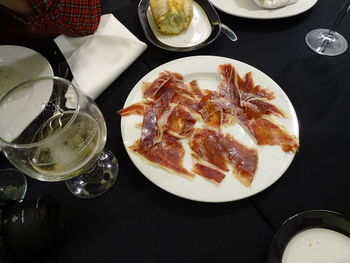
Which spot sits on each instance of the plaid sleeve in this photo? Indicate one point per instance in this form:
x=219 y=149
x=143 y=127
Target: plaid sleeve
x=69 y=17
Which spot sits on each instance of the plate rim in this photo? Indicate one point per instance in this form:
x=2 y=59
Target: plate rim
x=267 y=10
x=303 y=221
x=18 y=53
x=26 y=49
x=207 y=7
x=157 y=69
x=28 y=52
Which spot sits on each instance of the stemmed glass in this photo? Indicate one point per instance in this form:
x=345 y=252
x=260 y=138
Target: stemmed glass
x=13 y=185
x=52 y=132
x=327 y=41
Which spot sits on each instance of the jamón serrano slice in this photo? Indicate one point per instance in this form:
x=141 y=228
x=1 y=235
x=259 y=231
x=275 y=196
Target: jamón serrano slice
x=219 y=150
x=209 y=173
x=168 y=153
x=268 y=133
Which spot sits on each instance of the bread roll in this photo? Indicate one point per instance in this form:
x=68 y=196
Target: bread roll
x=172 y=16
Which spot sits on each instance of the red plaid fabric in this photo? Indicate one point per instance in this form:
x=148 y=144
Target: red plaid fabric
x=69 y=17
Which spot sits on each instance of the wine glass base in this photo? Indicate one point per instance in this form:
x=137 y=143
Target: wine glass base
x=320 y=41
x=98 y=181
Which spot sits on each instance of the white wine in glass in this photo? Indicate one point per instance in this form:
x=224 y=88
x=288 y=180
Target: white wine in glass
x=52 y=132
x=328 y=42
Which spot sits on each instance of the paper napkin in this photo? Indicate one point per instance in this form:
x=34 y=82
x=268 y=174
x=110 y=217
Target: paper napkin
x=274 y=3
x=97 y=60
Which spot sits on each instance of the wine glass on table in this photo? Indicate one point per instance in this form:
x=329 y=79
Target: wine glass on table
x=13 y=185
x=327 y=41
x=52 y=132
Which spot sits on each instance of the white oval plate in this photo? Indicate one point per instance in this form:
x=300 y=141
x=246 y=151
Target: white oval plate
x=273 y=162
x=18 y=64
x=248 y=9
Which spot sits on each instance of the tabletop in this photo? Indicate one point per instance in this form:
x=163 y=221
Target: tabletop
x=136 y=221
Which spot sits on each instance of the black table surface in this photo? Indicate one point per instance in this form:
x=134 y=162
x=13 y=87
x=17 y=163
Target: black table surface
x=138 y=222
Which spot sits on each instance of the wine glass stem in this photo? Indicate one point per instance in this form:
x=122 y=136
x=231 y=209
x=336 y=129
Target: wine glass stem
x=340 y=17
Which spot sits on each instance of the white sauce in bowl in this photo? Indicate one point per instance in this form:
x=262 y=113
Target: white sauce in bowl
x=318 y=245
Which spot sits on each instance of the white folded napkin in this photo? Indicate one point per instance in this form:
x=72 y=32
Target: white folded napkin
x=97 y=60
x=269 y=4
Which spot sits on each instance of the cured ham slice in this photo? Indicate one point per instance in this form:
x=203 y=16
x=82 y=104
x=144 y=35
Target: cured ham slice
x=227 y=109
x=244 y=159
x=192 y=104
x=162 y=103
x=168 y=153
x=149 y=130
x=166 y=80
x=180 y=121
x=195 y=89
x=237 y=90
x=253 y=104
x=219 y=150
x=209 y=173
x=268 y=133
x=255 y=108
x=150 y=89
x=213 y=114
x=228 y=86
x=248 y=88
x=133 y=109
x=206 y=145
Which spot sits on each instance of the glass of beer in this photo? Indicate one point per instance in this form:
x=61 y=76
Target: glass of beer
x=52 y=132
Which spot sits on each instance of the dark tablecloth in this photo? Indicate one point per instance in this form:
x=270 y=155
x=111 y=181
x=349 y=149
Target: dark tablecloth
x=138 y=222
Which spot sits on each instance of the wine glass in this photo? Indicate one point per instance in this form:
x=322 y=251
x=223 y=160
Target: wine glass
x=52 y=132
x=327 y=41
x=13 y=185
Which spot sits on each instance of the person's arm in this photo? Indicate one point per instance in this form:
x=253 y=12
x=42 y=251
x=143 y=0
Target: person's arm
x=21 y=7
x=55 y=17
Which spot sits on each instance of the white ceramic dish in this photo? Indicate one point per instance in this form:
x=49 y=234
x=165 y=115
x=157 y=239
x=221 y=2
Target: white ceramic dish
x=198 y=31
x=312 y=236
x=203 y=29
x=18 y=64
x=248 y=9
x=273 y=162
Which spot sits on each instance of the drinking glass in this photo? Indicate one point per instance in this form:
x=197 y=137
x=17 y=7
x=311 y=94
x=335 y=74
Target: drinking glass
x=13 y=185
x=327 y=41
x=52 y=132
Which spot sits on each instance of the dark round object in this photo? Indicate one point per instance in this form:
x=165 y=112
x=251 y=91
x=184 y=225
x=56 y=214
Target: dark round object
x=28 y=229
